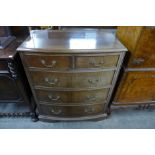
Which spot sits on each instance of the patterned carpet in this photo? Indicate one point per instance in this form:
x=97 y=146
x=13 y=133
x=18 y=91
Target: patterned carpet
x=123 y=118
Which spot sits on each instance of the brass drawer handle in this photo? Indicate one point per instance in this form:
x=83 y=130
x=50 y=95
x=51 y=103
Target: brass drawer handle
x=93 y=81
x=56 y=112
x=138 y=61
x=96 y=64
x=50 y=66
x=53 y=98
x=52 y=81
x=89 y=110
x=91 y=98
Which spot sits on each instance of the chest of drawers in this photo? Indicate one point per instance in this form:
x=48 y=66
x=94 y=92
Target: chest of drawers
x=72 y=73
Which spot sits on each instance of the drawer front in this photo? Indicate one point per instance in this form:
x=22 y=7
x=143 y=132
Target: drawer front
x=97 y=61
x=72 y=97
x=48 y=61
x=72 y=80
x=3 y=65
x=71 y=111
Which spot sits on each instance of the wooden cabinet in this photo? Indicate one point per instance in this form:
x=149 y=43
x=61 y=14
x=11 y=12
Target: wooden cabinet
x=140 y=41
x=14 y=87
x=138 y=83
x=136 y=87
x=72 y=73
x=8 y=88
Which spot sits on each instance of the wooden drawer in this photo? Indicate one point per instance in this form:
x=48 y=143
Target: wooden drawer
x=48 y=61
x=72 y=80
x=97 y=61
x=3 y=65
x=71 y=111
x=72 y=97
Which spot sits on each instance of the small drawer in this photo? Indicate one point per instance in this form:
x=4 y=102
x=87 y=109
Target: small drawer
x=72 y=80
x=3 y=65
x=71 y=111
x=107 y=61
x=72 y=97
x=48 y=61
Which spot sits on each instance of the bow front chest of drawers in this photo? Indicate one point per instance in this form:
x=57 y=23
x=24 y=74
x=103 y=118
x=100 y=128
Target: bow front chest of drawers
x=72 y=73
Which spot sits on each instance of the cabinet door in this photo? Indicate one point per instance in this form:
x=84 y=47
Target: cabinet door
x=144 y=55
x=136 y=87
x=129 y=35
x=8 y=88
x=3 y=65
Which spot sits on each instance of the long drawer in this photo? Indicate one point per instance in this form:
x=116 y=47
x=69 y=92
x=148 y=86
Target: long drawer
x=72 y=80
x=97 y=61
x=71 y=111
x=72 y=97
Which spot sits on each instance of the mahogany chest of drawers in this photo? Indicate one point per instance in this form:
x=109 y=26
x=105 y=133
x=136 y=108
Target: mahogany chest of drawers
x=72 y=73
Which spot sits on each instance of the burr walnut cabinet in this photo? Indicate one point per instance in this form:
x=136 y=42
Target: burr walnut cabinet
x=72 y=73
x=137 y=86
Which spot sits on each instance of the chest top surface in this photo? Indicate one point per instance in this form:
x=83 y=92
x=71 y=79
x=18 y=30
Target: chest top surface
x=9 y=52
x=66 y=41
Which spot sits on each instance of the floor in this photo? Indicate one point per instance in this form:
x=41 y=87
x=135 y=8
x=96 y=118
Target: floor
x=123 y=118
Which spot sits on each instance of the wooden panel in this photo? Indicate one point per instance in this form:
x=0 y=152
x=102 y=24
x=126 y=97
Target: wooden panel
x=3 y=65
x=72 y=97
x=129 y=36
x=144 y=55
x=97 y=61
x=136 y=87
x=8 y=88
x=48 y=61
x=72 y=80
x=71 y=111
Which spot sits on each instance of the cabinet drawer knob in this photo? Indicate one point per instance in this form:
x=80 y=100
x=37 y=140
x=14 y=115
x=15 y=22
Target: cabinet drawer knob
x=53 y=62
x=56 y=112
x=51 y=81
x=53 y=98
